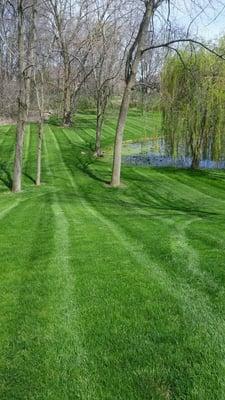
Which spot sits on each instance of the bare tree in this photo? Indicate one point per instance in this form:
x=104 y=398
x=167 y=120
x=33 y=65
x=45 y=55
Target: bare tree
x=68 y=21
x=22 y=99
x=132 y=63
x=38 y=81
x=8 y=58
x=107 y=59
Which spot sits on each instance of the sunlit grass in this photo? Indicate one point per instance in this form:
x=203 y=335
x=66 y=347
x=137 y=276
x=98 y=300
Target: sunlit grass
x=109 y=293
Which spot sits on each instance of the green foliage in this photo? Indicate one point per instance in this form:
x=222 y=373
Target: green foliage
x=193 y=99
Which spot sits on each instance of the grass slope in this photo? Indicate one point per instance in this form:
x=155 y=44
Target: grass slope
x=109 y=294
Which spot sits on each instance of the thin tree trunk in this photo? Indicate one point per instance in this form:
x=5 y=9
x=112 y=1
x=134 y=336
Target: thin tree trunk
x=98 y=152
x=39 y=89
x=40 y=103
x=99 y=122
x=39 y=153
x=67 y=103
x=102 y=102
x=30 y=52
x=22 y=106
x=67 y=112
x=142 y=91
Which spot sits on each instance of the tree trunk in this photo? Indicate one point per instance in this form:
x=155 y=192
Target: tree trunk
x=196 y=146
x=39 y=153
x=99 y=122
x=195 y=161
x=39 y=89
x=67 y=112
x=18 y=160
x=40 y=103
x=133 y=60
x=115 y=182
x=22 y=107
x=102 y=102
x=98 y=151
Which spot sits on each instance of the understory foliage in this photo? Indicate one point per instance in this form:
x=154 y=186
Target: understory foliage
x=193 y=102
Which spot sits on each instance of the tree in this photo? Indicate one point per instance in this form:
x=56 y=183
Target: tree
x=107 y=59
x=193 y=102
x=72 y=40
x=22 y=99
x=38 y=82
x=132 y=63
x=135 y=54
x=8 y=59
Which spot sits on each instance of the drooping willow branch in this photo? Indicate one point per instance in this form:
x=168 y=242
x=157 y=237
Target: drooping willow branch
x=176 y=41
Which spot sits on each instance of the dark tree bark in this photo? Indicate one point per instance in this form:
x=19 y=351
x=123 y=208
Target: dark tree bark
x=197 y=142
x=195 y=162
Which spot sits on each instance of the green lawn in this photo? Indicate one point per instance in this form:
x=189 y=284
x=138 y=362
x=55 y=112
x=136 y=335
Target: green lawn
x=110 y=294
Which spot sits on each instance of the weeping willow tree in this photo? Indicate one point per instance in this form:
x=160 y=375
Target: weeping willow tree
x=193 y=102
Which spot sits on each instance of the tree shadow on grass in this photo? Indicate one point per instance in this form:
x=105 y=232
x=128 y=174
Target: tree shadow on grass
x=84 y=165
x=151 y=197
x=29 y=177
x=5 y=175
x=148 y=199
x=83 y=156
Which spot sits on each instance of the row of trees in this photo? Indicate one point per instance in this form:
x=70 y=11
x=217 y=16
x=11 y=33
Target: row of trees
x=50 y=50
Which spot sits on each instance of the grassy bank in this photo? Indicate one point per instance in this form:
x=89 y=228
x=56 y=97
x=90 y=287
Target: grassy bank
x=109 y=294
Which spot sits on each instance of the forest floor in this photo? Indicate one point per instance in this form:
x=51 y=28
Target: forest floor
x=109 y=294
